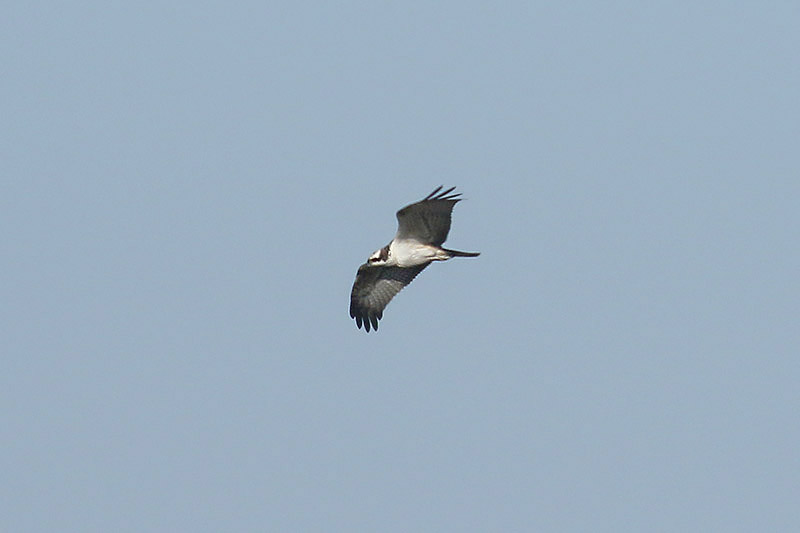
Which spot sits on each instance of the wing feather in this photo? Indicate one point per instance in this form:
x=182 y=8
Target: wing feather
x=428 y=221
x=374 y=288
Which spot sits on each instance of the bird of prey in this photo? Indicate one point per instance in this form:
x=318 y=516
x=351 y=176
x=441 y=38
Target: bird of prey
x=422 y=228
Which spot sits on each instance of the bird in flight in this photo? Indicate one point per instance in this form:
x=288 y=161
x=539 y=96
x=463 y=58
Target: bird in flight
x=422 y=228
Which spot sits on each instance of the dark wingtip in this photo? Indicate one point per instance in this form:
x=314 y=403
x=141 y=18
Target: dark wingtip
x=444 y=195
x=365 y=319
x=431 y=195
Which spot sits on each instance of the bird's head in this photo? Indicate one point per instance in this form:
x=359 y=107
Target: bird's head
x=379 y=257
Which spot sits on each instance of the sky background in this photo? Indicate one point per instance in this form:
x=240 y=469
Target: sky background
x=188 y=189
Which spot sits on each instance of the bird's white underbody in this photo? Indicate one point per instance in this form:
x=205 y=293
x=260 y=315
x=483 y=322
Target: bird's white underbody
x=406 y=253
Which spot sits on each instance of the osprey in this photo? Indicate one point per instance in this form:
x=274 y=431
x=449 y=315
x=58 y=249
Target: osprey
x=422 y=227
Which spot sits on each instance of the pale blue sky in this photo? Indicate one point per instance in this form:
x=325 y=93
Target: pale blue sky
x=188 y=189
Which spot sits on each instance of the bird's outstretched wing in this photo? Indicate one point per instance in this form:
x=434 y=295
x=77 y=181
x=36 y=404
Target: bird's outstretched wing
x=373 y=290
x=428 y=221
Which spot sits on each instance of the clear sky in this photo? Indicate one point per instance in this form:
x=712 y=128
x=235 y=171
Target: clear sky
x=188 y=189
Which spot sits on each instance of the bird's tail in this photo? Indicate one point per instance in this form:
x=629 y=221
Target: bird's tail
x=456 y=253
